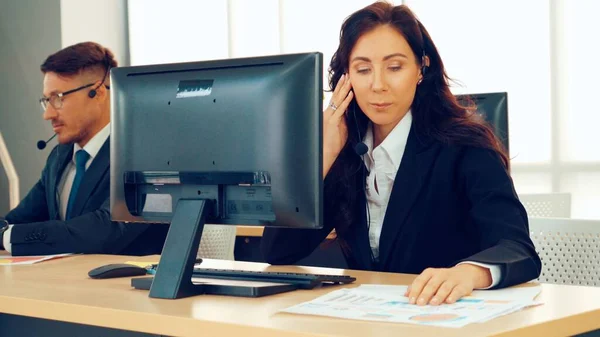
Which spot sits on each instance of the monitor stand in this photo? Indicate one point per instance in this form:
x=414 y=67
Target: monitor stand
x=173 y=278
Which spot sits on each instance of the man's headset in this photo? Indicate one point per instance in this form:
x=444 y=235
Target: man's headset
x=94 y=91
x=41 y=144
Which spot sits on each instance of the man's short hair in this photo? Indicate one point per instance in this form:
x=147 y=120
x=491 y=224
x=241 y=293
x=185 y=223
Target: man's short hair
x=79 y=57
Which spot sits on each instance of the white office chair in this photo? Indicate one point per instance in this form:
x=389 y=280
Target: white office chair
x=218 y=242
x=547 y=205
x=569 y=250
x=7 y=165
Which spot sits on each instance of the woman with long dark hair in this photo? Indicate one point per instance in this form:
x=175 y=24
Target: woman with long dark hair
x=414 y=182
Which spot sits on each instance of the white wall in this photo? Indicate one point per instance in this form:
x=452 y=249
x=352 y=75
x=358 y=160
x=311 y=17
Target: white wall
x=29 y=32
x=104 y=22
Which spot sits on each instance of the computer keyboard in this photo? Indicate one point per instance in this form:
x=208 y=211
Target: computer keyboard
x=303 y=281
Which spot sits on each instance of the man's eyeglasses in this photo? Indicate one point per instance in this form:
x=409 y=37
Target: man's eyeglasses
x=56 y=100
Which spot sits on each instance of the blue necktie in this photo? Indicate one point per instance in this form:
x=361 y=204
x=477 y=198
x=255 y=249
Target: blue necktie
x=81 y=157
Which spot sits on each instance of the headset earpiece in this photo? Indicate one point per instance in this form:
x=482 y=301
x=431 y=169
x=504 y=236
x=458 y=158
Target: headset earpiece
x=424 y=58
x=94 y=92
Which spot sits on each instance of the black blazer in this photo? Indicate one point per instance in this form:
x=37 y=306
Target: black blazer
x=449 y=203
x=38 y=228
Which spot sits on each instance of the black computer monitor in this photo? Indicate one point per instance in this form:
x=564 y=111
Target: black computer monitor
x=494 y=108
x=235 y=141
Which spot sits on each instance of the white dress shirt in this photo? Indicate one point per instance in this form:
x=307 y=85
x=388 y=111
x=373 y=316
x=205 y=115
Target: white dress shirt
x=383 y=163
x=66 y=182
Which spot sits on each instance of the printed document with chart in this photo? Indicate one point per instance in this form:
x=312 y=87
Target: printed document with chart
x=388 y=303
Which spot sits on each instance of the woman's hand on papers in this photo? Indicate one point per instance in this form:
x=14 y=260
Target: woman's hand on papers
x=438 y=285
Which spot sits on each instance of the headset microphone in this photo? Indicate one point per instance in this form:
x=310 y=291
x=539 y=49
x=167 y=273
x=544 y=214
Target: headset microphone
x=41 y=144
x=361 y=148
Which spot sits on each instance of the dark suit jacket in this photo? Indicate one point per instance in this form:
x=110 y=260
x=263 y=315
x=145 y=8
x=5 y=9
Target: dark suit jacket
x=39 y=230
x=449 y=203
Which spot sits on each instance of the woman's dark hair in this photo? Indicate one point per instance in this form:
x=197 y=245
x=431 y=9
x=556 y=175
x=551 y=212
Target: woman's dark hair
x=436 y=112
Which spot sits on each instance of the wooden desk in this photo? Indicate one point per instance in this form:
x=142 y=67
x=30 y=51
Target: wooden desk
x=60 y=290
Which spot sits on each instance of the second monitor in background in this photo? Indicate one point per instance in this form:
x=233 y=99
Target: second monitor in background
x=235 y=141
x=494 y=108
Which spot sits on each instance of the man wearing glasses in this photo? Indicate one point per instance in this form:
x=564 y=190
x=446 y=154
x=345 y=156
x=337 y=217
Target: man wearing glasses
x=67 y=211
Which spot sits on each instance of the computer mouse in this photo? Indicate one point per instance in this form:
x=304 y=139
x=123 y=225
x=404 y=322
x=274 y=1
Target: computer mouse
x=116 y=270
